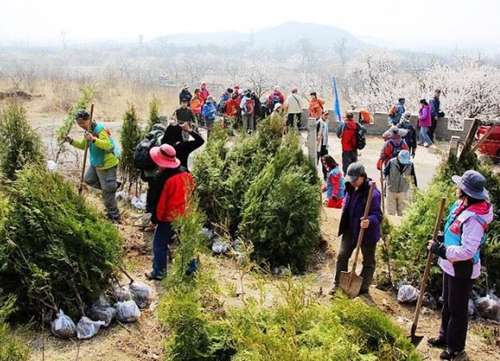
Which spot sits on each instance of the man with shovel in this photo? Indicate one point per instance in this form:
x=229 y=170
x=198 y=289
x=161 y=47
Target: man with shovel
x=352 y=222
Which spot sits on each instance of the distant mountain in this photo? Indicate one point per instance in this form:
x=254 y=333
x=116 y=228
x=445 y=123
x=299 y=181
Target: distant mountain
x=284 y=35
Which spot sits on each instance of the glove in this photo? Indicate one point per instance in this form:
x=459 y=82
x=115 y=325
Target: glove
x=439 y=249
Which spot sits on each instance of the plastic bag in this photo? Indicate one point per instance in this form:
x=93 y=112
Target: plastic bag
x=121 y=293
x=63 y=326
x=141 y=294
x=137 y=203
x=51 y=166
x=407 y=294
x=105 y=314
x=122 y=195
x=207 y=233
x=219 y=247
x=127 y=311
x=489 y=307
x=472 y=308
x=87 y=328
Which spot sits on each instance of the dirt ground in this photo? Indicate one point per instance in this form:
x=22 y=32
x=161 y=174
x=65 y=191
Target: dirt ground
x=143 y=340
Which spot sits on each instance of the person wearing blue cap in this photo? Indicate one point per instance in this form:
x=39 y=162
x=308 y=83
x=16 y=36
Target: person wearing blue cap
x=459 y=258
x=399 y=172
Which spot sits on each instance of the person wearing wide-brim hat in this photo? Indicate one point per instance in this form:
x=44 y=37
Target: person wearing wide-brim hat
x=459 y=258
x=171 y=191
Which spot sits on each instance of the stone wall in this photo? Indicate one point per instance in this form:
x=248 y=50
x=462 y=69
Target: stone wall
x=380 y=125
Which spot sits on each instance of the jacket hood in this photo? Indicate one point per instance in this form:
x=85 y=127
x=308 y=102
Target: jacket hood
x=350 y=124
x=483 y=209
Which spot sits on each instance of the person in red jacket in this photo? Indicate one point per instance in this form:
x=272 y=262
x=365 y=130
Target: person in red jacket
x=394 y=143
x=171 y=191
x=347 y=133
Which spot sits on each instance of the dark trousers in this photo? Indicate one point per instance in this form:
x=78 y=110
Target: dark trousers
x=455 y=316
x=432 y=128
x=162 y=238
x=348 y=157
x=347 y=246
x=293 y=119
x=323 y=151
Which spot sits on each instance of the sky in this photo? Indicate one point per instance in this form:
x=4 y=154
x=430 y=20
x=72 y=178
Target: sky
x=429 y=22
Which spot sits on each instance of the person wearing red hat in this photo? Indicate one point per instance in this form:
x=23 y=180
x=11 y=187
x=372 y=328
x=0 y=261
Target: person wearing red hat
x=172 y=188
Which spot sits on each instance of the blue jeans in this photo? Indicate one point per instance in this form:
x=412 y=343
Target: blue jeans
x=161 y=239
x=424 y=137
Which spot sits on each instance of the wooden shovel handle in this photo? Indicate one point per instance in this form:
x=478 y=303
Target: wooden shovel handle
x=427 y=267
x=362 y=230
x=80 y=187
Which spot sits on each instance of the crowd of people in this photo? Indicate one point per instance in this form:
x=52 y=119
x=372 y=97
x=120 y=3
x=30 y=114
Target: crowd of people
x=346 y=185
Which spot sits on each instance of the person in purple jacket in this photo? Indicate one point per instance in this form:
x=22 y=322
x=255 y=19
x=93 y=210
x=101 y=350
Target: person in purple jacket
x=424 y=122
x=357 y=185
x=459 y=259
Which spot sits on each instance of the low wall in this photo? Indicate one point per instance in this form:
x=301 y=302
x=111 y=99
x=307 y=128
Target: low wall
x=380 y=124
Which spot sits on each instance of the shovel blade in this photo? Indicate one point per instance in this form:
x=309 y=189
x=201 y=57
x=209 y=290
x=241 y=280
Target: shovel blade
x=350 y=283
x=414 y=339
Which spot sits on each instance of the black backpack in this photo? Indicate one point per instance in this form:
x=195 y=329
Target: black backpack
x=142 y=159
x=360 y=136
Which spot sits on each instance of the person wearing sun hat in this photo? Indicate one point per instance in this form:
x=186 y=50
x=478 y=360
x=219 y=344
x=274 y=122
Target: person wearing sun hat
x=398 y=173
x=459 y=258
x=171 y=191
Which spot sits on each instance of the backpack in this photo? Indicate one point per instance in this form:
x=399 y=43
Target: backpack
x=392 y=111
x=250 y=107
x=142 y=159
x=396 y=148
x=360 y=136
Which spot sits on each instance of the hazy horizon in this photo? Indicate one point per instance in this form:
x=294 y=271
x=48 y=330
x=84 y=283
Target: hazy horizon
x=429 y=23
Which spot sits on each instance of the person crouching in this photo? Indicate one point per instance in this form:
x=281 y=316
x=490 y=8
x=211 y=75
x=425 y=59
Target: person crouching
x=335 y=188
x=172 y=189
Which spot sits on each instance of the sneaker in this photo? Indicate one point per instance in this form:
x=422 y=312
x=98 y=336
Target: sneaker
x=449 y=354
x=436 y=342
x=426 y=145
x=150 y=276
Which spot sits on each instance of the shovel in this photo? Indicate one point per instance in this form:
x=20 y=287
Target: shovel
x=80 y=187
x=413 y=338
x=350 y=282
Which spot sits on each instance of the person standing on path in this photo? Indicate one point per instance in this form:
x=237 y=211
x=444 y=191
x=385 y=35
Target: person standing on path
x=357 y=186
x=173 y=187
x=347 y=133
x=101 y=173
x=399 y=173
x=322 y=139
x=459 y=259
x=293 y=108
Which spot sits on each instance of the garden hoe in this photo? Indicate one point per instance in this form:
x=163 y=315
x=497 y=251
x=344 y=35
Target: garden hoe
x=413 y=338
x=350 y=282
x=80 y=187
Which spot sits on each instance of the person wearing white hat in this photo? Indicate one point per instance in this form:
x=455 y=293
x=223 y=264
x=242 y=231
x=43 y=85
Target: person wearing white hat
x=399 y=173
x=172 y=188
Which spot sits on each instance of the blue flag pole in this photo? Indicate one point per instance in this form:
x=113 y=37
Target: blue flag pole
x=336 y=107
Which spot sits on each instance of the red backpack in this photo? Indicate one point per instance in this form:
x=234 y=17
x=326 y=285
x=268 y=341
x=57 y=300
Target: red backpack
x=250 y=107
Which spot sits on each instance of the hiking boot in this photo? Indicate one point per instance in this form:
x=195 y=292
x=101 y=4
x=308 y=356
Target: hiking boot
x=436 y=342
x=449 y=354
x=150 y=276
